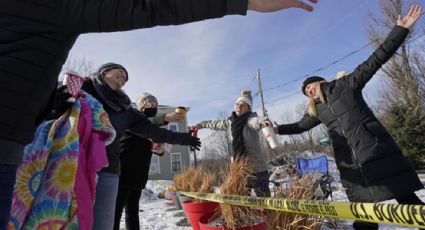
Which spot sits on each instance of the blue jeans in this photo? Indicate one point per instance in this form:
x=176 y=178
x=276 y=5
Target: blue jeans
x=7 y=181
x=104 y=204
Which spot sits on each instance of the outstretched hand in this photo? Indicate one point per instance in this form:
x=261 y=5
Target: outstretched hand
x=266 y=123
x=276 y=5
x=174 y=117
x=195 y=143
x=269 y=123
x=411 y=17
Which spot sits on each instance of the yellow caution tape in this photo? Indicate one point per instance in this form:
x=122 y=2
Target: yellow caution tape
x=164 y=186
x=398 y=214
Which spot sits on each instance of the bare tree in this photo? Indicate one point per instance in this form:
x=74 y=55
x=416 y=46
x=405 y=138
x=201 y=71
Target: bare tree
x=406 y=70
x=306 y=137
x=80 y=65
x=305 y=141
x=217 y=146
x=287 y=118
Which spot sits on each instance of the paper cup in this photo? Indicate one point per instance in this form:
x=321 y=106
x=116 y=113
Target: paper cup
x=73 y=82
x=270 y=136
x=154 y=146
x=181 y=110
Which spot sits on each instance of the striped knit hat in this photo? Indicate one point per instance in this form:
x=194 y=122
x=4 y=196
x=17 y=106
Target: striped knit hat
x=145 y=98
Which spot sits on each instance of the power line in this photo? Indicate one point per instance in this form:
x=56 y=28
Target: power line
x=295 y=92
x=325 y=67
x=331 y=64
x=321 y=68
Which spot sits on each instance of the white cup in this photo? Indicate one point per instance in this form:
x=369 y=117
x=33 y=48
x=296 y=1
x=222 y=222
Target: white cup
x=73 y=82
x=270 y=136
x=154 y=146
x=166 y=147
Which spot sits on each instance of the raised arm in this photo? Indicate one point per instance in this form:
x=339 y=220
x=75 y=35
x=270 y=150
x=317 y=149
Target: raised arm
x=164 y=118
x=120 y=15
x=305 y=124
x=256 y=122
x=159 y=119
x=365 y=71
x=276 y=5
x=144 y=128
x=84 y=16
x=221 y=125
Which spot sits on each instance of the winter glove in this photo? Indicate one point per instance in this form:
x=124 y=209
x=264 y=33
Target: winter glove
x=61 y=104
x=195 y=143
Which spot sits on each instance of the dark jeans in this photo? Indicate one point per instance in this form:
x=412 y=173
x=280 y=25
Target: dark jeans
x=260 y=184
x=128 y=198
x=7 y=181
x=408 y=199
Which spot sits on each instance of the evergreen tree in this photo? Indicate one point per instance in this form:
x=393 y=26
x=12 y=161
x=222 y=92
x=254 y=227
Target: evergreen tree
x=407 y=126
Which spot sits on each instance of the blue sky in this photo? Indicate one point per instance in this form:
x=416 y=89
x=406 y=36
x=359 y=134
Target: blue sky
x=205 y=65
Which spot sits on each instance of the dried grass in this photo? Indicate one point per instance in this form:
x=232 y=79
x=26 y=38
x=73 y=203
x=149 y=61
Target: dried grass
x=195 y=180
x=236 y=183
x=181 y=181
x=208 y=182
x=297 y=190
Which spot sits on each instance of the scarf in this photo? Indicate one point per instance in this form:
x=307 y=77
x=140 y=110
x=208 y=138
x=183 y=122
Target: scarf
x=237 y=126
x=117 y=100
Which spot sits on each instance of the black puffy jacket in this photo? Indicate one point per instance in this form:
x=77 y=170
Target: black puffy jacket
x=36 y=36
x=371 y=165
x=135 y=158
x=138 y=123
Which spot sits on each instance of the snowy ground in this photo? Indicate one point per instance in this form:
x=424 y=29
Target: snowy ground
x=160 y=214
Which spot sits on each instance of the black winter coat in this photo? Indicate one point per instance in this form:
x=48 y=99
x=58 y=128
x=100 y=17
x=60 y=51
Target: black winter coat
x=135 y=158
x=138 y=123
x=36 y=36
x=371 y=165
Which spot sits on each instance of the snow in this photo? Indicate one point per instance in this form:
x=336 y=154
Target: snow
x=160 y=214
x=157 y=213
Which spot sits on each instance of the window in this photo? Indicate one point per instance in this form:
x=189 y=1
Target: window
x=176 y=162
x=154 y=167
x=172 y=127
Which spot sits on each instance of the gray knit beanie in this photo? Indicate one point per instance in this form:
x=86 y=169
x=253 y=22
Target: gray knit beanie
x=110 y=66
x=245 y=97
x=145 y=98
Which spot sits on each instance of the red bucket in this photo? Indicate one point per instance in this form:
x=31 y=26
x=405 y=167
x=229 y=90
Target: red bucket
x=196 y=210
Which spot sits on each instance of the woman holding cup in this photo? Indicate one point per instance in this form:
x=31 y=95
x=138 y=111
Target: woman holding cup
x=135 y=156
x=245 y=126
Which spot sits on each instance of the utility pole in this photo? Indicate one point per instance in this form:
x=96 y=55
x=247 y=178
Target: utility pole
x=260 y=93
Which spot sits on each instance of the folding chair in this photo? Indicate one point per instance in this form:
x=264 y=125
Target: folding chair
x=319 y=164
x=322 y=184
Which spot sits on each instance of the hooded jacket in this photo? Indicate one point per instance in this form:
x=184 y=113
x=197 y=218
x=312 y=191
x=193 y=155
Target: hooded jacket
x=36 y=36
x=371 y=165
